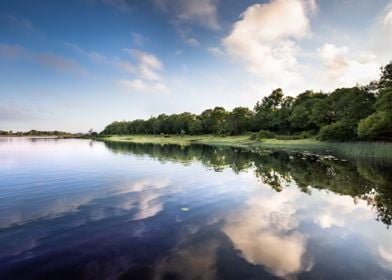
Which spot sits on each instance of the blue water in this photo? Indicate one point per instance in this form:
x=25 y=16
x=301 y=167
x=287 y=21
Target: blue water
x=80 y=209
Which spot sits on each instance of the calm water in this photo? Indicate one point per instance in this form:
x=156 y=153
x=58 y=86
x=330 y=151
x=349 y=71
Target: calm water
x=78 y=209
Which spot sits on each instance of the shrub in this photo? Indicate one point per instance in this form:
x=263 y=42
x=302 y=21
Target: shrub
x=253 y=136
x=265 y=134
x=340 y=131
x=306 y=135
x=262 y=134
x=378 y=126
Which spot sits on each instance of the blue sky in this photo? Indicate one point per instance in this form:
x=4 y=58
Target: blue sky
x=80 y=64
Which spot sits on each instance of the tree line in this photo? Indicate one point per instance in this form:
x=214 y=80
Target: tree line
x=346 y=114
x=35 y=133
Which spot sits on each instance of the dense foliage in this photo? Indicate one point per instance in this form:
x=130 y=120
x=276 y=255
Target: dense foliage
x=357 y=113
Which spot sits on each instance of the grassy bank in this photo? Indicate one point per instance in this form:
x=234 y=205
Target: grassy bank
x=370 y=150
x=242 y=141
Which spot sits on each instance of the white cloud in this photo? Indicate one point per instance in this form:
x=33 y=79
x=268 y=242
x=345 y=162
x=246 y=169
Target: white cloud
x=202 y=12
x=272 y=49
x=265 y=39
x=381 y=36
x=149 y=64
x=147 y=69
x=344 y=68
x=138 y=85
x=388 y=18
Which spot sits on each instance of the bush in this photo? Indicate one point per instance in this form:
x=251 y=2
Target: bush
x=377 y=126
x=262 y=134
x=306 y=135
x=340 y=131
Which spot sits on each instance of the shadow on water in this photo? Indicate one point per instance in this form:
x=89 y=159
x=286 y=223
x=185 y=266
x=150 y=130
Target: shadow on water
x=361 y=179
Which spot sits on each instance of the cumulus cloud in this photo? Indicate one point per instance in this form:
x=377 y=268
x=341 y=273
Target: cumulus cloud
x=138 y=85
x=202 y=12
x=266 y=43
x=149 y=64
x=340 y=69
x=271 y=49
x=47 y=59
x=388 y=18
x=382 y=34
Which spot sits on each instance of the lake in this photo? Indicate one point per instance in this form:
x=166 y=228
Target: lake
x=81 y=209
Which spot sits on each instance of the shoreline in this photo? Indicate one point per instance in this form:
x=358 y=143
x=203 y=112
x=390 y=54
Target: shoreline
x=365 y=150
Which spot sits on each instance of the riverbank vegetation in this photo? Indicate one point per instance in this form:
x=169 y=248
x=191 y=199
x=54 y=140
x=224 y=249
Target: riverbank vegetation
x=367 y=150
x=346 y=114
x=39 y=133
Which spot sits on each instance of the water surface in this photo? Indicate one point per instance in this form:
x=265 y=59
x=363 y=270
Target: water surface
x=79 y=209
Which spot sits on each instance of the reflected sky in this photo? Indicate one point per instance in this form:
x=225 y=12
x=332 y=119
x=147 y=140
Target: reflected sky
x=79 y=209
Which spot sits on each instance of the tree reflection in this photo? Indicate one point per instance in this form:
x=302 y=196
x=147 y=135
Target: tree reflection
x=279 y=169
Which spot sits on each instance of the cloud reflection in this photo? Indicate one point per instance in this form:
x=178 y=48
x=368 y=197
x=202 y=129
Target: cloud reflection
x=141 y=199
x=266 y=233
x=386 y=257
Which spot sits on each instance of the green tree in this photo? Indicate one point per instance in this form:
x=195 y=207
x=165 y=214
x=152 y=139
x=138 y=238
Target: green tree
x=386 y=77
x=304 y=115
x=378 y=126
x=195 y=127
x=340 y=131
x=213 y=120
x=239 y=120
x=266 y=111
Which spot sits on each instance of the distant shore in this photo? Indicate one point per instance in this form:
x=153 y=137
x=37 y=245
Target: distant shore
x=42 y=136
x=369 y=150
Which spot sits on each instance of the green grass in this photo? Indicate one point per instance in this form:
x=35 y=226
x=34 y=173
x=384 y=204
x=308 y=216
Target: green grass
x=234 y=141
